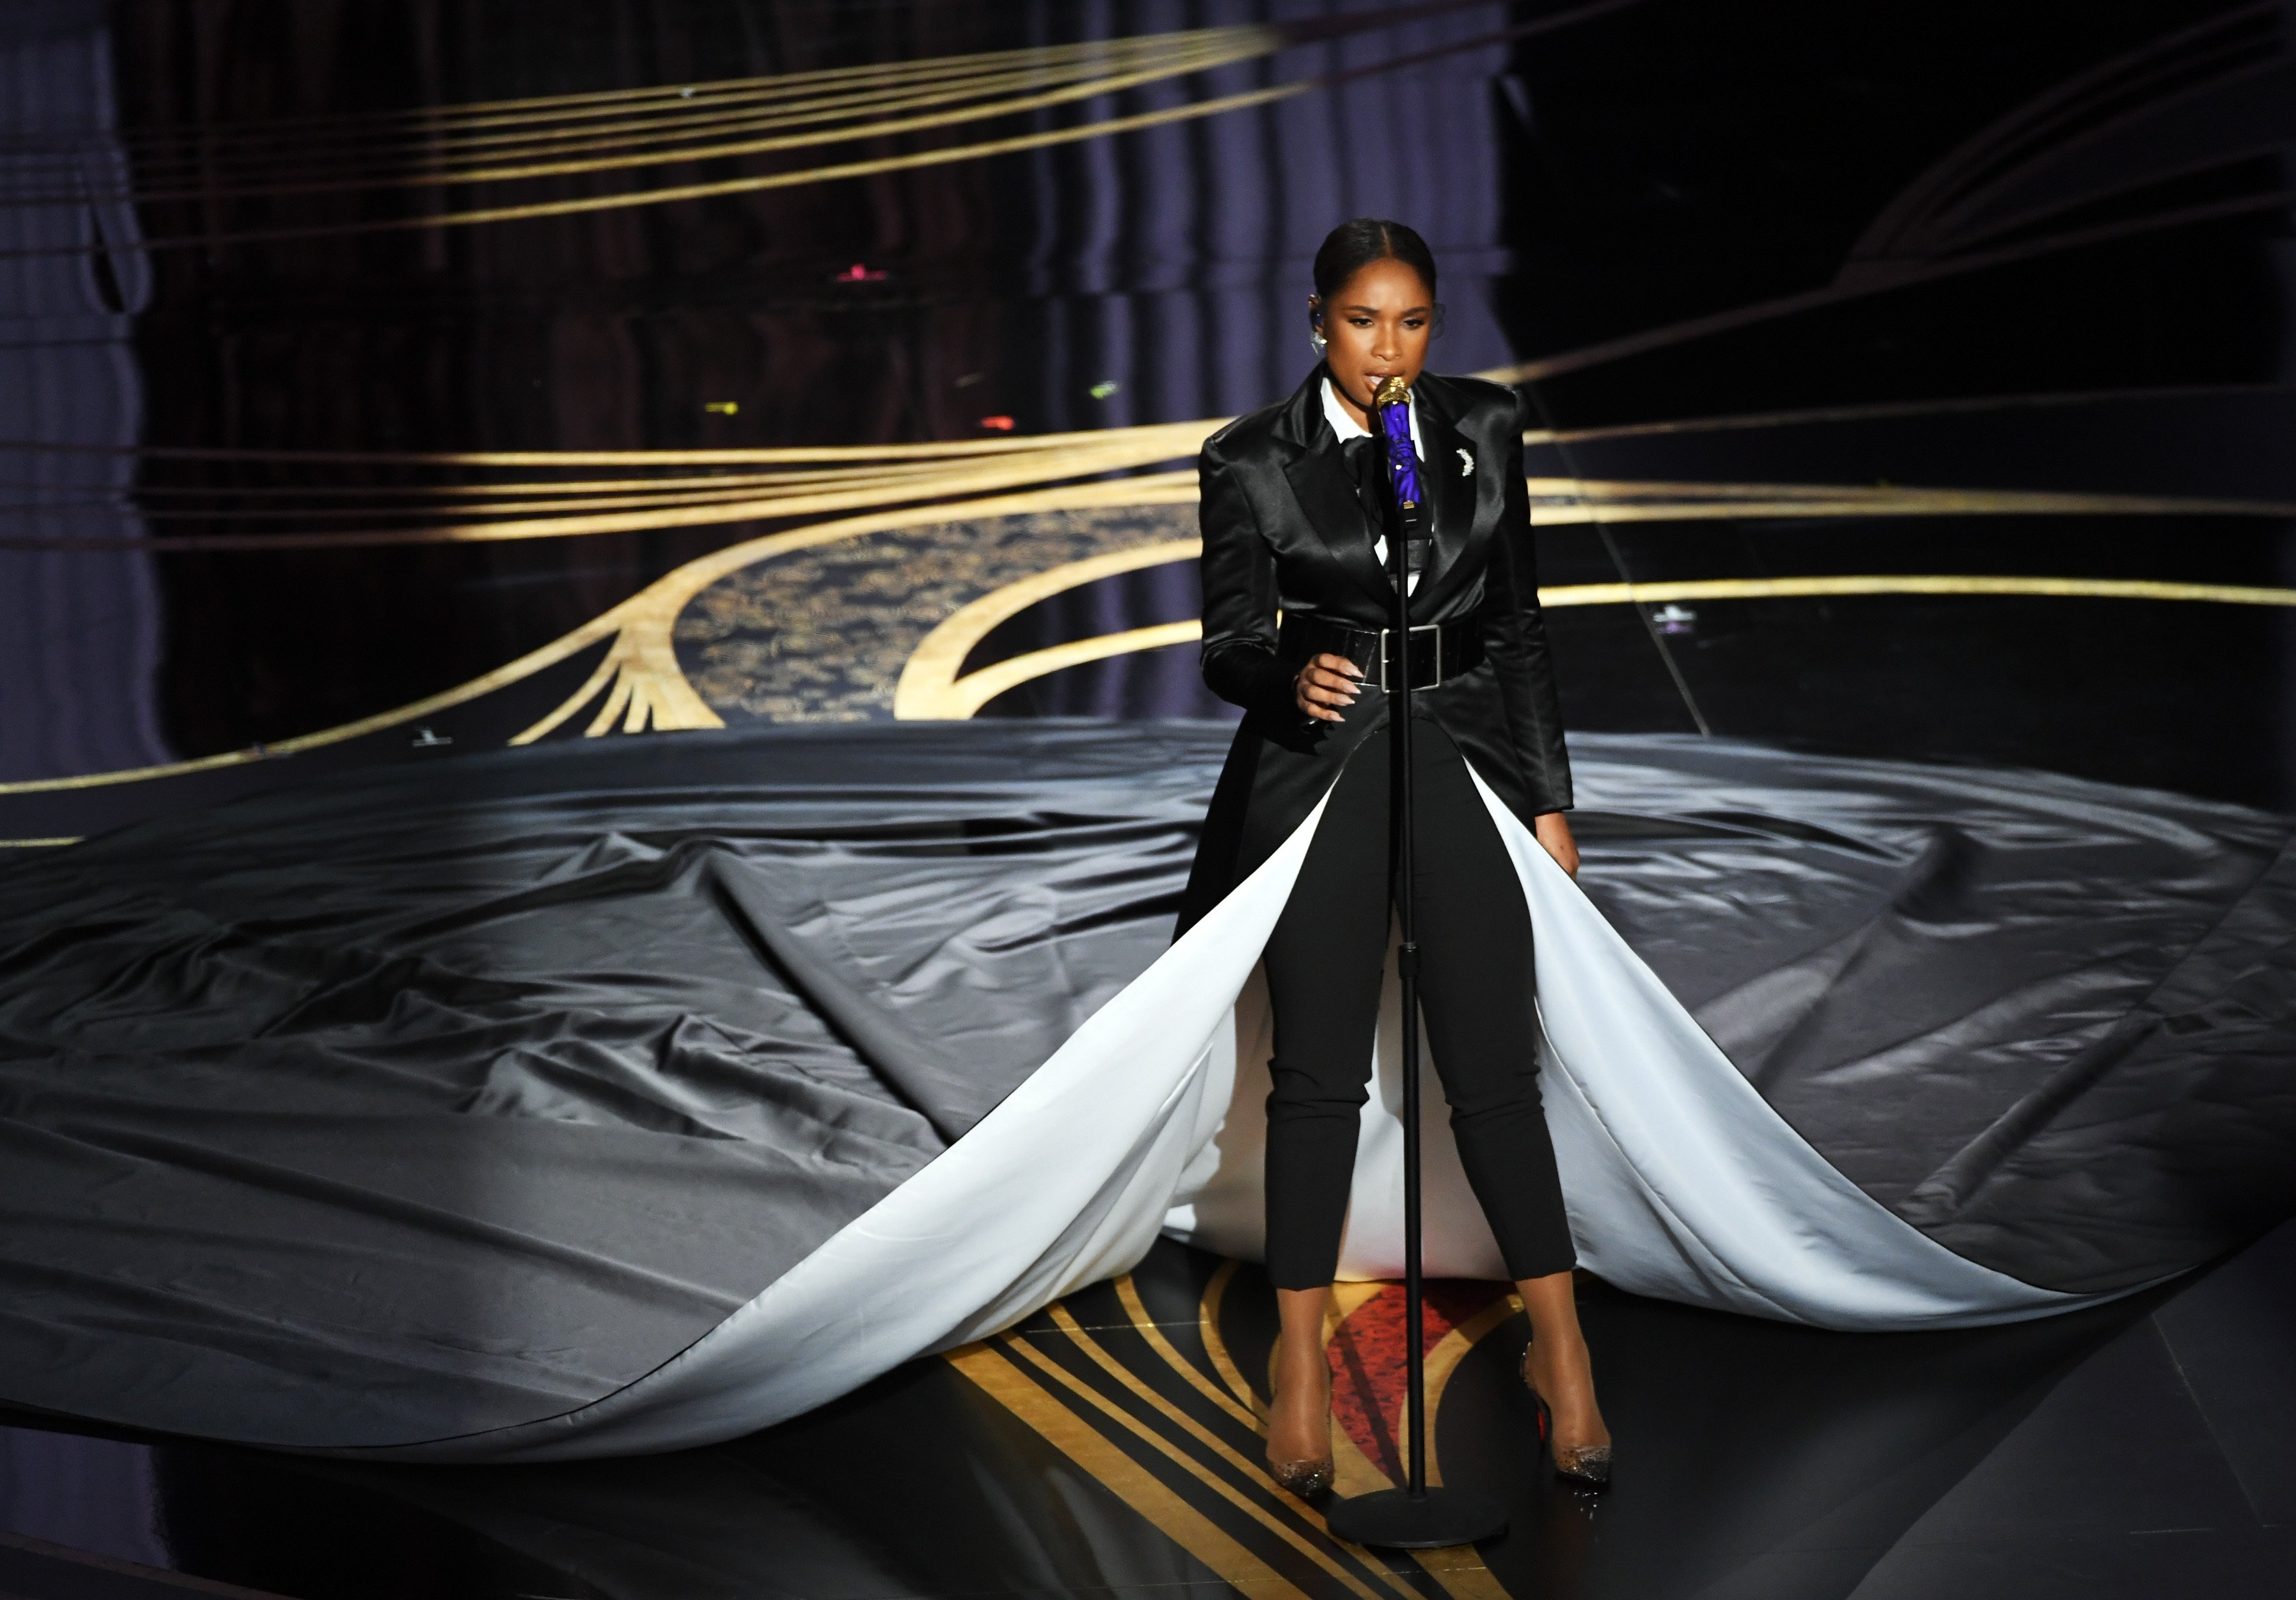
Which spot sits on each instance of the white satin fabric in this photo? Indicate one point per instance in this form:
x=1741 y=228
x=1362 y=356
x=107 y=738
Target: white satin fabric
x=1681 y=1182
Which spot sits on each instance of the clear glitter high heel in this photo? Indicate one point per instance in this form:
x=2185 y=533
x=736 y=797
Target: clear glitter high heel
x=1309 y=1476
x=1305 y=1479
x=1586 y=1465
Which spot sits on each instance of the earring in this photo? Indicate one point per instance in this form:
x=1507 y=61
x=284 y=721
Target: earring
x=1319 y=341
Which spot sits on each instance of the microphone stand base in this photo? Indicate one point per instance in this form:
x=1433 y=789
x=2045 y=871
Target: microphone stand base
x=1395 y=1519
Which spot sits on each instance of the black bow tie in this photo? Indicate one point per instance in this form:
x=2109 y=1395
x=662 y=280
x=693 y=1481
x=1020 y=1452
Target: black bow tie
x=1366 y=460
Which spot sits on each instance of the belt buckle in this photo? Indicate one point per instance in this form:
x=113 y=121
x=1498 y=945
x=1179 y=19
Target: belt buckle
x=1385 y=655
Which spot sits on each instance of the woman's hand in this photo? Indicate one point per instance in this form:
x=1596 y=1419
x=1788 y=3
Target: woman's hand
x=1553 y=831
x=1326 y=687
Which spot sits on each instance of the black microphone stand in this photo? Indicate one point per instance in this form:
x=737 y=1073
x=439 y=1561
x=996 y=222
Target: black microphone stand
x=1414 y=1517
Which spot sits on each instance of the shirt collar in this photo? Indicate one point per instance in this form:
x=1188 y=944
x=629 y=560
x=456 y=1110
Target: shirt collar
x=1346 y=426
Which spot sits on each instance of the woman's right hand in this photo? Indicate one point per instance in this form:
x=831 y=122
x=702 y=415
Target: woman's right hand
x=1326 y=687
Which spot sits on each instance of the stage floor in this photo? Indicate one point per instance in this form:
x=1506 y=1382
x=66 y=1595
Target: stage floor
x=1108 y=1444
x=1106 y=1447
x=1881 y=407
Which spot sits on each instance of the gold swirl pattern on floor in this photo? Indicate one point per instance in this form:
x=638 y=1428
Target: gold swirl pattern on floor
x=1159 y=1414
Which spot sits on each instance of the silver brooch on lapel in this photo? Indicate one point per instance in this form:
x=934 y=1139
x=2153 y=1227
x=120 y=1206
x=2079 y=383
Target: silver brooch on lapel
x=1466 y=465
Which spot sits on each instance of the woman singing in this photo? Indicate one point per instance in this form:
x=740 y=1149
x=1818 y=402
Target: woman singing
x=1291 y=531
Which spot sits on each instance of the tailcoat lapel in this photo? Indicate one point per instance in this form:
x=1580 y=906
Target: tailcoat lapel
x=1452 y=489
x=1319 y=481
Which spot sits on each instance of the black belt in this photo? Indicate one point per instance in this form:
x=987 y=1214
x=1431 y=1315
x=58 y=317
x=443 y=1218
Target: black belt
x=1440 y=650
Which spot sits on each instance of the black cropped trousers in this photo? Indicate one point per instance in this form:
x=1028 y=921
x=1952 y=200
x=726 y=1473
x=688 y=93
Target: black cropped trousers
x=1325 y=964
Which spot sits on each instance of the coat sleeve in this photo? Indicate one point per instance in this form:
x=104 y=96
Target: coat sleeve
x=1239 y=593
x=1515 y=638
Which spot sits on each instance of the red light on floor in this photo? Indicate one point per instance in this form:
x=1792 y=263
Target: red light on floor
x=1003 y=424
x=858 y=274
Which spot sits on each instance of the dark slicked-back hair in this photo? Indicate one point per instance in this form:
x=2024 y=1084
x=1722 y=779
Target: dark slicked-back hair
x=1352 y=246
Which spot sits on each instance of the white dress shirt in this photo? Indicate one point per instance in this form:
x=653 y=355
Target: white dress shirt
x=1347 y=427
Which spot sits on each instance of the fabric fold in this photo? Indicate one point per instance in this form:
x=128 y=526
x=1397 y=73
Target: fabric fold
x=621 y=1095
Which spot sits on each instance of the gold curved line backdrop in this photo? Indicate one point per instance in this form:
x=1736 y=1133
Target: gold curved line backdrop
x=1193 y=51
x=1004 y=445
x=914 y=160
x=643 y=685
x=1056 y=75
x=640 y=627
x=943 y=488
x=546 y=107
x=1805 y=588
x=690 y=502
x=350 y=163
x=929 y=678
x=706 y=114
x=932 y=689
x=1246 y=44
x=1012 y=443
x=817 y=480
x=959 y=700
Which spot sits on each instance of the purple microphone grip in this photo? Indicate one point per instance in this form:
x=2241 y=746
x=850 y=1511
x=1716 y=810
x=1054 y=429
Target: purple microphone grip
x=1393 y=403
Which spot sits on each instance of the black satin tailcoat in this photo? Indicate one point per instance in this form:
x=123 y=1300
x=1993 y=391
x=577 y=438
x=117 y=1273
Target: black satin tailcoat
x=1284 y=531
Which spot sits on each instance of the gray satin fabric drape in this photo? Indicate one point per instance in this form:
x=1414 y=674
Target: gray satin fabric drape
x=448 y=1097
